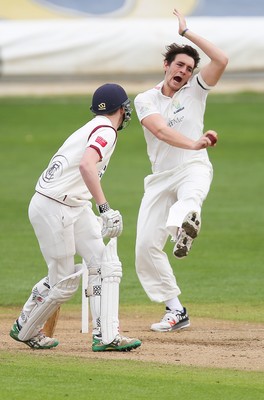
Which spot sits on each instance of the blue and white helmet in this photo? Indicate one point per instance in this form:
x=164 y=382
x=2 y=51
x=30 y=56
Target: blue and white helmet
x=108 y=98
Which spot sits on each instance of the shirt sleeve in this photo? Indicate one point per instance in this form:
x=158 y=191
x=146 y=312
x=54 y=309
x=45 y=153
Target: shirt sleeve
x=202 y=83
x=145 y=105
x=102 y=140
x=198 y=88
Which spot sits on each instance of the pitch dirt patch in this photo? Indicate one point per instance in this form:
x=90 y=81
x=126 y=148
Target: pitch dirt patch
x=207 y=343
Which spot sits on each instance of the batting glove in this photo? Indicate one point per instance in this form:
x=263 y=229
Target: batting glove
x=112 y=221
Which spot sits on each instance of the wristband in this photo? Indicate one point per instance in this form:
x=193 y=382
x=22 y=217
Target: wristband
x=103 y=208
x=184 y=31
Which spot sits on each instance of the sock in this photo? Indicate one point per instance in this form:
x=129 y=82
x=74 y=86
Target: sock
x=174 y=304
x=174 y=238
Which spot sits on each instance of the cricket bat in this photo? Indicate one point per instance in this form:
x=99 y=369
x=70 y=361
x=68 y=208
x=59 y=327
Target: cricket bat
x=51 y=323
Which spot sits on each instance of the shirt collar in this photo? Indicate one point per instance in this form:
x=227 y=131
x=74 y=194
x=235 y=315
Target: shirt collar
x=160 y=85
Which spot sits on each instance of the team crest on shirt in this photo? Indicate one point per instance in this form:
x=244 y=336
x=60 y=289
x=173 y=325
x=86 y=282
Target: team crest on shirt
x=55 y=169
x=101 y=141
x=176 y=115
x=176 y=105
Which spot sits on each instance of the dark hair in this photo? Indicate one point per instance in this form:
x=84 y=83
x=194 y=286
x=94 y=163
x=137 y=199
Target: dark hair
x=174 y=49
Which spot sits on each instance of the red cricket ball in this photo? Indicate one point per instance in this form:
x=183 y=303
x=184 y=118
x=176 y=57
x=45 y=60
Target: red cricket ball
x=212 y=138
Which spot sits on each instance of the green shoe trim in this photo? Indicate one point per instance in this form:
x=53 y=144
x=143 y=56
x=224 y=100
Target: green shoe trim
x=14 y=332
x=113 y=347
x=31 y=343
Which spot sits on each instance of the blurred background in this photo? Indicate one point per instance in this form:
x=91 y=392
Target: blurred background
x=53 y=54
x=72 y=46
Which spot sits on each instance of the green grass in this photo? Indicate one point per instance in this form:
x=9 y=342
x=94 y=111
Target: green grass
x=38 y=376
x=222 y=277
x=225 y=266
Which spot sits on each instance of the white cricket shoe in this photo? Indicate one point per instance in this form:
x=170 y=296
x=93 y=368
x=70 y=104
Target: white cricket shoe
x=120 y=343
x=187 y=233
x=172 y=321
x=40 y=341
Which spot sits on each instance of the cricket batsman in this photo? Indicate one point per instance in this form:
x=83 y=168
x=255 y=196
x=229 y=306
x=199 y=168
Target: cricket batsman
x=65 y=224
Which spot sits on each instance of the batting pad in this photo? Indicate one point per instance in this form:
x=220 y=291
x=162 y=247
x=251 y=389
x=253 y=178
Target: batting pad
x=58 y=294
x=91 y=295
x=85 y=301
x=94 y=293
x=111 y=269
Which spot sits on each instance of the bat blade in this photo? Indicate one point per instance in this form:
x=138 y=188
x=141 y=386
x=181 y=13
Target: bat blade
x=51 y=323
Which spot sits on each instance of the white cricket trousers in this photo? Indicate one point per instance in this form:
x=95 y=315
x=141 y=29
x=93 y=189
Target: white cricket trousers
x=169 y=196
x=64 y=231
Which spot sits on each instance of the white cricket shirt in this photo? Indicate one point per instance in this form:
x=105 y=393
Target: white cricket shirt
x=62 y=180
x=183 y=112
